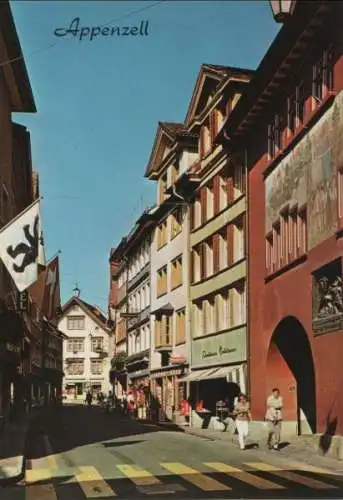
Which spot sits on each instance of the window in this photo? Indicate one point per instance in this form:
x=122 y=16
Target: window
x=198 y=319
x=163 y=333
x=292 y=113
x=288 y=239
x=176 y=222
x=96 y=366
x=209 y=201
x=174 y=173
x=220 y=312
x=322 y=80
x=223 y=249
x=238 y=304
x=75 y=344
x=340 y=193
x=223 y=189
x=97 y=344
x=176 y=273
x=76 y=322
x=137 y=342
x=275 y=136
x=196 y=264
x=238 y=240
x=162 y=188
x=180 y=326
x=204 y=140
x=147 y=295
x=162 y=234
x=196 y=212
x=238 y=181
x=121 y=279
x=162 y=281
x=209 y=315
x=209 y=257
x=75 y=367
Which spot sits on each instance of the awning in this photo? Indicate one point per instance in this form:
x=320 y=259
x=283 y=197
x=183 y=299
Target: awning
x=235 y=374
x=198 y=375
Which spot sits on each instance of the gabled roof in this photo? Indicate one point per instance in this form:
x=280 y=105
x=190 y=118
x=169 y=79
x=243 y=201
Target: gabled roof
x=16 y=72
x=165 y=135
x=93 y=311
x=209 y=78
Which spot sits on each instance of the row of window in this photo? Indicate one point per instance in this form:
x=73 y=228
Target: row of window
x=219 y=251
x=76 y=322
x=288 y=239
x=140 y=299
x=139 y=260
x=139 y=340
x=77 y=344
x=170 y=329
x=176 y=276
x=219 y=311
x=77 y=367
x=170 y=227
x=298 y=105
x=218 y=194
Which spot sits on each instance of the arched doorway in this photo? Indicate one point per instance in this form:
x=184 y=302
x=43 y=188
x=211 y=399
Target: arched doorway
x=290 y=367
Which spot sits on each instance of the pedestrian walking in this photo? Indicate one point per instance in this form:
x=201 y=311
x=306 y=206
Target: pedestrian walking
x=274 y=419
x=243 y=416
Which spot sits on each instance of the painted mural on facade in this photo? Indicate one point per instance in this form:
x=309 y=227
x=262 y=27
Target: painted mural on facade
x=309 y=175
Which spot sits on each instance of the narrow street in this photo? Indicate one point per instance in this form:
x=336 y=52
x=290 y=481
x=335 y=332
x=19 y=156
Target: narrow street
x=83 y=453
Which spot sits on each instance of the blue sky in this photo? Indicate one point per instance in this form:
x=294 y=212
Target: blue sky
x=98 y=106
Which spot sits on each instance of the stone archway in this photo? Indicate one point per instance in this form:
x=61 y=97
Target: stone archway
x=290 y=367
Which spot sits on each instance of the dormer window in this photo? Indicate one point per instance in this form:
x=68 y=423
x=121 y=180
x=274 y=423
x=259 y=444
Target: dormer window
x=204 y=140
x=174 y=173
x=162 y=188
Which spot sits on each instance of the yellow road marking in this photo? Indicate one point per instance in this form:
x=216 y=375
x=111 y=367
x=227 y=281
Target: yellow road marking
x=202 y=481
x=139 y=476
x=92 y=484
x=246 y=477
x=43 y=491
x=37 y=475
x=50 y=454
x=291 y=476
x=314 y=469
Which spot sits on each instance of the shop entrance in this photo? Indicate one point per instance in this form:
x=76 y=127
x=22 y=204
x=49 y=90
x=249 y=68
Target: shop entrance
x=290 y=367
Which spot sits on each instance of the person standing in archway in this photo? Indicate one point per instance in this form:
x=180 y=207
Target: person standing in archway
x=274 y=418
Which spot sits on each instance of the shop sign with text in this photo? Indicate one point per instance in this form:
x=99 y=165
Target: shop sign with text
x=226 y=347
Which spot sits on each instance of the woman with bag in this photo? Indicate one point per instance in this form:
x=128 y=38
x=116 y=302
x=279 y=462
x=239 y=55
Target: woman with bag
x=243 y=416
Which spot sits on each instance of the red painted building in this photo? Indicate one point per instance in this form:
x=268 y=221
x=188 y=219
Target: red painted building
x=289 y=125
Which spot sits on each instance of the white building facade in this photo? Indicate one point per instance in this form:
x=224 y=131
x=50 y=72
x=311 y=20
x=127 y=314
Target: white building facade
x=138 y=299
x=169 y=358
x=87 y=350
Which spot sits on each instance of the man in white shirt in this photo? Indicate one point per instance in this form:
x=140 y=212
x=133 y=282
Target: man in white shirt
x=274 y=418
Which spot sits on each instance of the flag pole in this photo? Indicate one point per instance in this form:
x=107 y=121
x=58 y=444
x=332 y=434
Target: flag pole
x=21 y=213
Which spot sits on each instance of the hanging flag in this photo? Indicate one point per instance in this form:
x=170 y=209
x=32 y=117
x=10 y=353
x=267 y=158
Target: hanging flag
x=22 y=246
x=52 y=298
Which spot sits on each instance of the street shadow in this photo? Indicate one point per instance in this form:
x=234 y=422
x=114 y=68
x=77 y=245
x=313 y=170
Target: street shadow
x=183 y=487
x=284 y=445
x=325 y=439
x=75 y=426
x=122 y=443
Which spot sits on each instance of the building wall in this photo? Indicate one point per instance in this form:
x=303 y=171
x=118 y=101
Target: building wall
x=289 y=294
x=177 y=297
x=86 y=354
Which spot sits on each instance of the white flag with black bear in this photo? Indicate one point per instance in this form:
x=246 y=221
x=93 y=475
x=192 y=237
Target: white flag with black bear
x=22 y=246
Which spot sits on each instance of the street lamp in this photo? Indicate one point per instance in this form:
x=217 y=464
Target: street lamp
x=282 y=9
